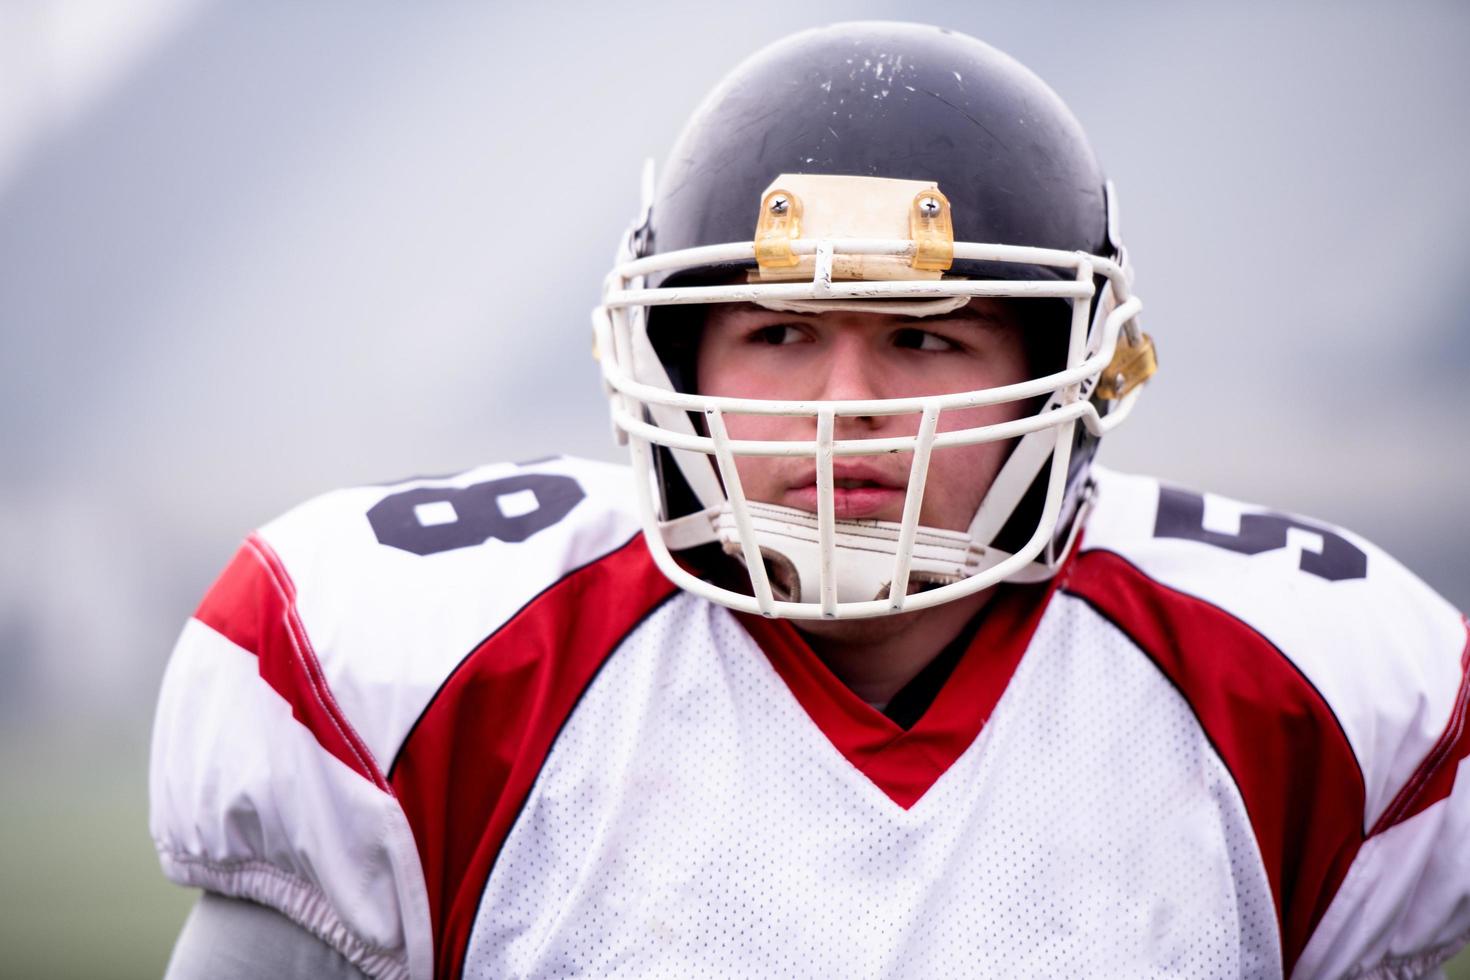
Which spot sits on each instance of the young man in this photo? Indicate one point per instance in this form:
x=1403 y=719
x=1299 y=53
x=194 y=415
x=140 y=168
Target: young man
x=864 y=670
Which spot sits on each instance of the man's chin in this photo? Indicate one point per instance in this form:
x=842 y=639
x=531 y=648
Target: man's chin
x=856 y=632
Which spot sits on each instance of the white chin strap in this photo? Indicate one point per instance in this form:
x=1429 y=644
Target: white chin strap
x=863 y=560
x=865 y=552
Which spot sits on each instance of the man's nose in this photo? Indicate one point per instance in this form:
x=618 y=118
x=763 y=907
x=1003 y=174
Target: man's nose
x=851 y=374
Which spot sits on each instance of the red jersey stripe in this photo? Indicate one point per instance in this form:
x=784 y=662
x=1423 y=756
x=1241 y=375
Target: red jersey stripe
x=1296 y=771
x=904 y=764
x=469 y=764
x=253 y=605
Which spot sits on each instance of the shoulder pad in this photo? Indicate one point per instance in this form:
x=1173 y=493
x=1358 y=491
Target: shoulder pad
x=310 y=660
x=1382 y=648
x=395 y=584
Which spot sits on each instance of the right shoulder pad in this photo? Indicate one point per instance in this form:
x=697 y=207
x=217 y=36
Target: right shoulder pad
x=395 y=584
x=311 y=659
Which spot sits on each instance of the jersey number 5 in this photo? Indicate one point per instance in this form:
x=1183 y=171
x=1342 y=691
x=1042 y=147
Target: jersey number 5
x=428 y=520
x=1182 y=515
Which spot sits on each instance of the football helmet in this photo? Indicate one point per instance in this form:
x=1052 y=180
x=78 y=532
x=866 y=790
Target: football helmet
x=883 y=167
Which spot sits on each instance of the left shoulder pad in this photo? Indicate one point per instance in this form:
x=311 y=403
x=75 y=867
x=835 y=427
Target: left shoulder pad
x=1383 y=649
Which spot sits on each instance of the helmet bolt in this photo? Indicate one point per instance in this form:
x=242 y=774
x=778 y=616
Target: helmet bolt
x=929 y=206
x=780 y=204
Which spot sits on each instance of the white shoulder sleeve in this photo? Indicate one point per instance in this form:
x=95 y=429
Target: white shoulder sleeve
x=260 y=788
x=1404 y=906
x=297 y=681
x=1388 y=659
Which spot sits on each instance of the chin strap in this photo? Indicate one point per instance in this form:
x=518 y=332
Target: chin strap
x=1047 y=563
x=1020 y=470
x=865 y=553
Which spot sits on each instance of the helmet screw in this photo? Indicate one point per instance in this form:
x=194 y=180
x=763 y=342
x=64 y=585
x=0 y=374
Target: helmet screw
x=780 y=204
x=929 y=206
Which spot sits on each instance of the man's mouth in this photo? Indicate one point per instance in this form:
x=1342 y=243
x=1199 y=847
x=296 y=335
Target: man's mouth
x=855 y=496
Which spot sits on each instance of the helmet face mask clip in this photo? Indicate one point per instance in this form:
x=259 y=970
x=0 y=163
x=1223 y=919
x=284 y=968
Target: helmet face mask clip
x=857 y=236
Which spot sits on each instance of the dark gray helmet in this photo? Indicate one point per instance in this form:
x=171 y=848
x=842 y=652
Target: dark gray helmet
x=889 y=168
x=887 y=100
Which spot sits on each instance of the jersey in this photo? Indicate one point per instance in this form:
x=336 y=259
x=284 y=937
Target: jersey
x=464 y=727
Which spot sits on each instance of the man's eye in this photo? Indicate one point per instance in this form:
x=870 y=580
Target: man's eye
x=912 y=339
x=777 y=334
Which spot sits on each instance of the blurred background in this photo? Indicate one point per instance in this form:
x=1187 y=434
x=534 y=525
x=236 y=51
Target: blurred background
x=251 y=252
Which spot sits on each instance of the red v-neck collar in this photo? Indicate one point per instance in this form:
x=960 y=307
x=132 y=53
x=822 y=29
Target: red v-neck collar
x=905 y=763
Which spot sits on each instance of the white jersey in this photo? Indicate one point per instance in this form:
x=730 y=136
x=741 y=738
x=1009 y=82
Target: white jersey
x=464 y=727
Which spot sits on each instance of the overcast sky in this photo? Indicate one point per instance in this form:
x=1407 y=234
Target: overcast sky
x=250 y=252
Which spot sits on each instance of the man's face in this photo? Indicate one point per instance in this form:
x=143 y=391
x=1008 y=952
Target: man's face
x=751 y=352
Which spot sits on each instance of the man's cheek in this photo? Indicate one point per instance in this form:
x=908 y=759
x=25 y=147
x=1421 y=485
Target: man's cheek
x=767 y=428
x=758 y=478
x=957 y=481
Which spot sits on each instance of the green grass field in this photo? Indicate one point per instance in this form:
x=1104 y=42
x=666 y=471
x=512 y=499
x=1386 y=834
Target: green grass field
x=81 y=891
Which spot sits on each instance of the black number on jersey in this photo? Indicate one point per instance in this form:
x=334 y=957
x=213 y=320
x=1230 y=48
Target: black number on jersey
x=428 y=520
x=1182 y=515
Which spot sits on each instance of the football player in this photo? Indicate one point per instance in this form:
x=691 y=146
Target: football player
x=863 y=668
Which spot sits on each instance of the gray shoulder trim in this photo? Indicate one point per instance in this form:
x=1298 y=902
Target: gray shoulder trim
x=234 y=939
